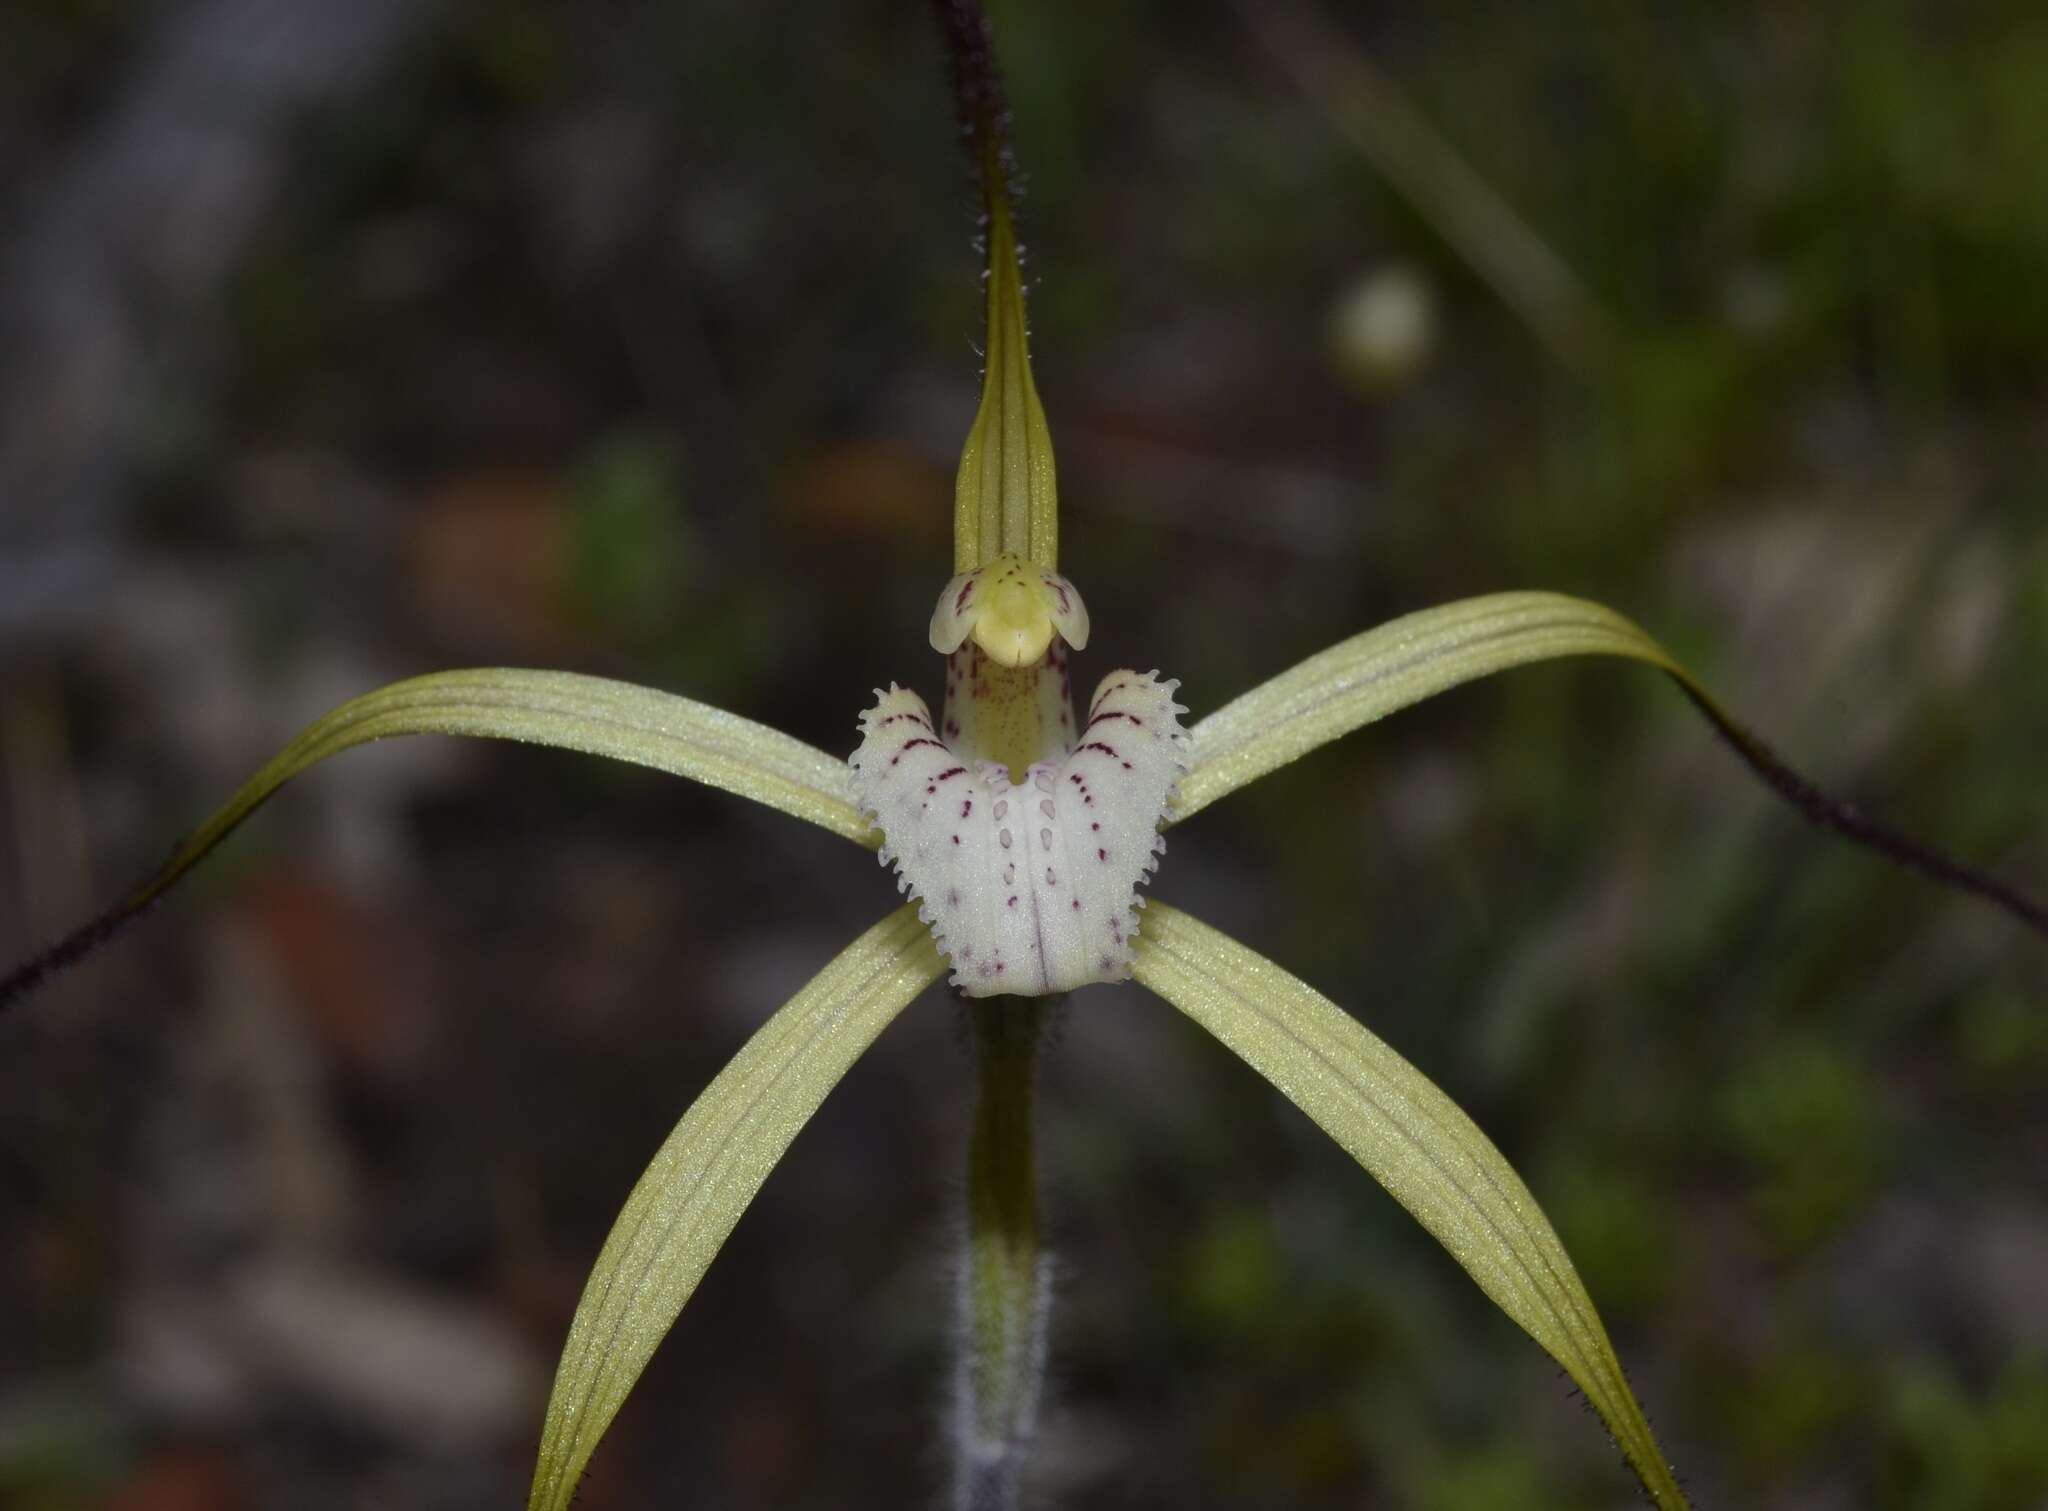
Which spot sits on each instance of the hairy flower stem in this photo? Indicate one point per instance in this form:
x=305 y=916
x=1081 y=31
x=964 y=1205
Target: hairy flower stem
x=1004 y=1292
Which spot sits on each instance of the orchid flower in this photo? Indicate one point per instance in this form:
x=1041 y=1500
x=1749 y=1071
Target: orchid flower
x=1024 y=825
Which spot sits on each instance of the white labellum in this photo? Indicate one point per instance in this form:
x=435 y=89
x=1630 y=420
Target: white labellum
x=1028 y=888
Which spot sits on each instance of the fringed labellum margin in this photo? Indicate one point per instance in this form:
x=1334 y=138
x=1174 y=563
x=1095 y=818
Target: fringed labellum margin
x=1030 y=887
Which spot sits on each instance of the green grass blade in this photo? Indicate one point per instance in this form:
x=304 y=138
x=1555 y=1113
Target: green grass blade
x=1401 y=662
x=700 y=1182
x=1415 y=1142
x=589 y=714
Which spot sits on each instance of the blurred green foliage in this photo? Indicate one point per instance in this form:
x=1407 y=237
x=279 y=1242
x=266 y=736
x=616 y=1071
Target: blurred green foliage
x=628 y=561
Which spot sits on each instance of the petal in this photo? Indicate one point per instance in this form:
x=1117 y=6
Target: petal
x=1401 y=662
x=1030 y=888
x=1420 y=655
x=703 y=1177
x=1415 y=1141
x=589 y=714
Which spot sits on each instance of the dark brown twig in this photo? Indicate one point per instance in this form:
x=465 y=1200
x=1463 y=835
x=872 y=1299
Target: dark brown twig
x=1850 y=822
x=28 y=977
x=978 y=99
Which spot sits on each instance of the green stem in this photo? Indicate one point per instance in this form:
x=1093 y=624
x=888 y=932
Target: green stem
x=1004 y=1295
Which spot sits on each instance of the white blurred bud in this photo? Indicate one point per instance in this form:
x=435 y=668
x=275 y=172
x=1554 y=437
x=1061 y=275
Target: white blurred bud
x=1383 y=327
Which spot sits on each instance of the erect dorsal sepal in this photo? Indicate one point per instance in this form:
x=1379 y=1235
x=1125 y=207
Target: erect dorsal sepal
x=1011 y=608
x=1030 y=888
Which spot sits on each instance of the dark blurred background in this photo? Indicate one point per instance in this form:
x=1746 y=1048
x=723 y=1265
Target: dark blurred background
x=340 y=342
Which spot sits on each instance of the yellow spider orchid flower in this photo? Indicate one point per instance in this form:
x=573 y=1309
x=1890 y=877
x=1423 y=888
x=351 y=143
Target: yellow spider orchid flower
x=1024 y=829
